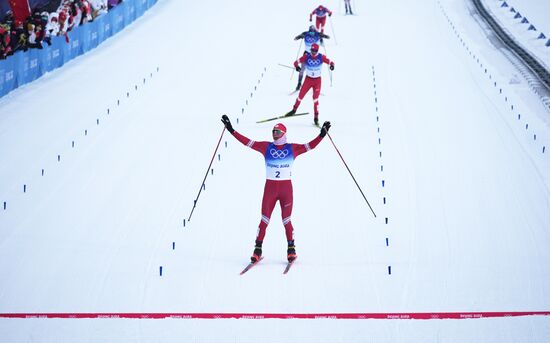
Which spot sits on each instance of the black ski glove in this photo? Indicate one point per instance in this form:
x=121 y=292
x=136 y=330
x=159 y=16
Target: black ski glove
x=324 y=129
x=227 y=123
x=298 y=68
x=331 y=67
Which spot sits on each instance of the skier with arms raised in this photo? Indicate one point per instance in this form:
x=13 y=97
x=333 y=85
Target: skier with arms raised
x=279 y=157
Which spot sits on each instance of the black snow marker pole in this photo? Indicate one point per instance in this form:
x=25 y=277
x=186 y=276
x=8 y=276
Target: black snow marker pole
x=364 y=197
x=205 y=176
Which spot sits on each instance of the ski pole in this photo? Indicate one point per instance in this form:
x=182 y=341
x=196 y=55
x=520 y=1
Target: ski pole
x=284 y=65
x=332 y=29
x=297 y=54
x=364 y=197
x=329 y=71
x=206 y=175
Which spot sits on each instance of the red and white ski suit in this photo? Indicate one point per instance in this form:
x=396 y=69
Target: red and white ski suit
x=278 y=185
x=312 y=64
x=320 y=17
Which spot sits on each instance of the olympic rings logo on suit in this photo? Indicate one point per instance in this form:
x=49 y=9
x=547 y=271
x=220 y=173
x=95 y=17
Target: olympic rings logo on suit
x=275 y=153
x=314 y=62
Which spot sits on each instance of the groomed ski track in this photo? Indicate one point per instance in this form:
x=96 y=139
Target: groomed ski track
x=459 y=185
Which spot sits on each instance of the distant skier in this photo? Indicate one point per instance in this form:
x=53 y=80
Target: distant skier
x=347 y=3
x=279 y=157
x=310 y=37
x=313 y=62
x=321 y=17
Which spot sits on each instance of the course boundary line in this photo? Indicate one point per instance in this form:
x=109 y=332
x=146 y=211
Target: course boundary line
x=409 y=315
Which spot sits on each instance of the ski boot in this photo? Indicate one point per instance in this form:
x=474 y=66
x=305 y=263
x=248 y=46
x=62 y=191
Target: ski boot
x=257 y=252
x=291 y=251
x=290 y=113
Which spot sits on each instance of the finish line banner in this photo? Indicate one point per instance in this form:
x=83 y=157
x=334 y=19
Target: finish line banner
x=24 y=67
x=401 y=316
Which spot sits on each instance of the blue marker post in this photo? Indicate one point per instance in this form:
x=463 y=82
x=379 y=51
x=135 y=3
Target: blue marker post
x=24 y=188
x=389 y=270
x=58 y=158
x=5 y=204
x=386 y=220
x=184 y=223
x=42 y=172
x=160 y=270
x=173 y=245
x=387 y=242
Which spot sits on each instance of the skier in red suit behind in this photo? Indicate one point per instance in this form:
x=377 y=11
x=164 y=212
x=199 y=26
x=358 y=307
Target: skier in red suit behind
x=312 y=62
x=321 y=17
x=279 y=157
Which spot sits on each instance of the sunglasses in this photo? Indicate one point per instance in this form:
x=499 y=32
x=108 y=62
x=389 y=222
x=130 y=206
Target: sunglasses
x=277 y=132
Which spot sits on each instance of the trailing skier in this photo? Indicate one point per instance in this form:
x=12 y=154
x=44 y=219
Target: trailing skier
x=279 y=158
x=310 y=37
x=312 y=62
x=321 y=17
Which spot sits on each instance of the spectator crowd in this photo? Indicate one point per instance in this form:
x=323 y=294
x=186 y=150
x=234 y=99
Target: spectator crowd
x=38 y=29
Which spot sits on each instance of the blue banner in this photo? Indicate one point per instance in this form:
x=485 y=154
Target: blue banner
x=25 y=67
x=7 y=76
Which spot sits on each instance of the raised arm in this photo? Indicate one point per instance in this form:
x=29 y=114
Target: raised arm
x=299 y=149
x=258 y=146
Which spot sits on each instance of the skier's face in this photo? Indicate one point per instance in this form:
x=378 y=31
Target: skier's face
x=277 y=134
x=314 y=52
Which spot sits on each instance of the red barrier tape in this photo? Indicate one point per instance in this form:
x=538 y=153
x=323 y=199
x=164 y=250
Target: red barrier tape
x=425 y=316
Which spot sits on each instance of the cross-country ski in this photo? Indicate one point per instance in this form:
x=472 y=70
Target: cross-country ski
x=284 y=116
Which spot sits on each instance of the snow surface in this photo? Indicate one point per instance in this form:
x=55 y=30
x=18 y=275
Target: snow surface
x=466 y=184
